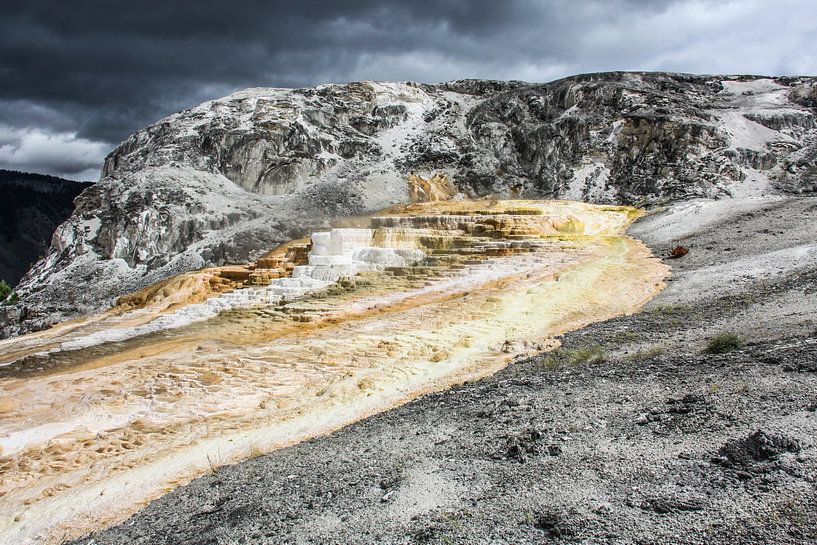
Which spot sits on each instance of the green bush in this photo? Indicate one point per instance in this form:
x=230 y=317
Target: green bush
x=7 y=295
x=588 y=354
x=562 y=357
x=723 y=343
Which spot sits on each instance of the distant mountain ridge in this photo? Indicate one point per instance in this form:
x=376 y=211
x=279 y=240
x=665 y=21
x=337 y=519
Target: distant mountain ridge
x=32 y=206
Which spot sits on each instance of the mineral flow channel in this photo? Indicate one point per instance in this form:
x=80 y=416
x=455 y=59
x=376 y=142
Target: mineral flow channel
x=102 y=415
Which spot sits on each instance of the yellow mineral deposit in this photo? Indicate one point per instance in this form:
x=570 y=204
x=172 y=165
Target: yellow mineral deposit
x=437 y=188
x=101 y=415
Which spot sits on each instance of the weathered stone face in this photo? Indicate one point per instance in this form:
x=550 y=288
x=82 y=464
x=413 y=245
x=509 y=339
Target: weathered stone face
x=227 y=179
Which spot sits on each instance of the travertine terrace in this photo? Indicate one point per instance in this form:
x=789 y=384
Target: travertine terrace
x=102 y=414
x=224 y=181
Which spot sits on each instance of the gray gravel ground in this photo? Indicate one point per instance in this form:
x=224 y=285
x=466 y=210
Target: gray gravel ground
x=627 y=434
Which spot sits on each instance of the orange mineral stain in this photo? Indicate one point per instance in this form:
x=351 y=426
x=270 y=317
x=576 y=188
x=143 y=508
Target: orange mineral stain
x=101 y=415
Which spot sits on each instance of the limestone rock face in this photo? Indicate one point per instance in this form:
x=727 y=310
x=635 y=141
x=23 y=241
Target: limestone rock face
x=227 y=180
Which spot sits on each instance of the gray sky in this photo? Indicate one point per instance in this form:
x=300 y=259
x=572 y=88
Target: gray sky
x=79 y=76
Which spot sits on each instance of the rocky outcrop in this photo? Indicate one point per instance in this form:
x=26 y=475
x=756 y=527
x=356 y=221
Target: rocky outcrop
x=228 y=179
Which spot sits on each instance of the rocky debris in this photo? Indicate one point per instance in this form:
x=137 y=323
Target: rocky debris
x=686 y=415
x=805 y=364
x=530 y=443
x=670 y=505
x=755 y=453
x=685 y=405
x=227 y=180
x=616 y=488
x=556 y=524
x=804 y=94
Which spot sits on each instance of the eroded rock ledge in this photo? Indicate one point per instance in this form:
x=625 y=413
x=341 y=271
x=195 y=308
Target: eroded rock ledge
x=223 y=181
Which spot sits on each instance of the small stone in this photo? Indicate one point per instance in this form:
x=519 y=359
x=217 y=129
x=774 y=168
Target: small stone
x=603 y=508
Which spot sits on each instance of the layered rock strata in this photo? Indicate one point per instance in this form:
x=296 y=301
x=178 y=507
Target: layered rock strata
x=223 y=181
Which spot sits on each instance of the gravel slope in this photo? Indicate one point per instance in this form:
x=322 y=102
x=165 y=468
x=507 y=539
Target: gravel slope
x=658 y=443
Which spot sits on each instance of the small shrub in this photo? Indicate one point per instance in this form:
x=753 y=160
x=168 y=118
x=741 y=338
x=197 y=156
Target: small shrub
x=588 y=354
x=723 y=343
x=623 y=337
x=562 y=357
x=7 y=295
x=646 y=354
x=671 y=310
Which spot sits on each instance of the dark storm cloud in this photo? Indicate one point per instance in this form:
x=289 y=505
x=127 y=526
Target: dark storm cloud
x=82 y=75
